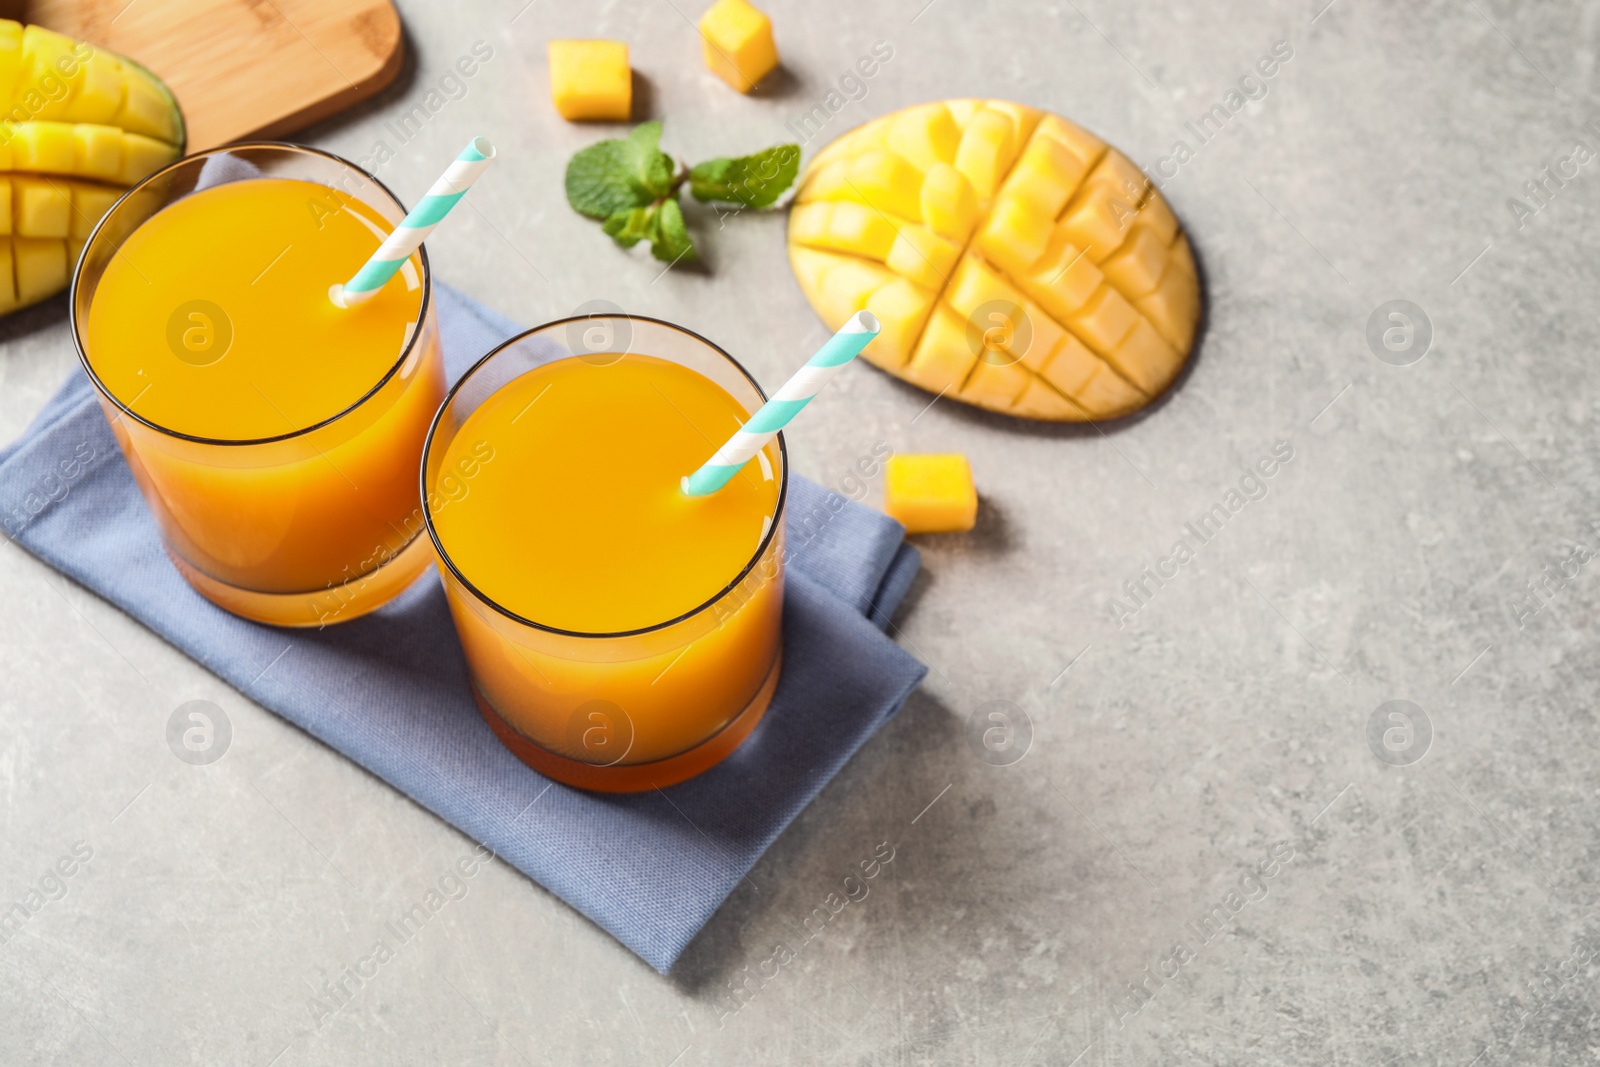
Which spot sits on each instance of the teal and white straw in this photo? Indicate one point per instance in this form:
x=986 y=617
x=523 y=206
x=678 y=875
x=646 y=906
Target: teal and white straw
x=776 y=413
x=415 y=227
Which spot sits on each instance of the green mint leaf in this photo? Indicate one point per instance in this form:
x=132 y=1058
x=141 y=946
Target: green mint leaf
x=754 y=181
x=712 y=180
x=600 y=180
x=769 y=174
x=651 y=168
x=670 y=242
x=630 y=227
x=646 y=136
x=619 y=174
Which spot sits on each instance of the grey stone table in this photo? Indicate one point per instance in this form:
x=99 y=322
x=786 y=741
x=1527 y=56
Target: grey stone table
x=1220 y=847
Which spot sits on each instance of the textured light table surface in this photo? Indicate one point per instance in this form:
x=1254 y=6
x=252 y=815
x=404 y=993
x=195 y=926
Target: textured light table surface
x=1430 y=910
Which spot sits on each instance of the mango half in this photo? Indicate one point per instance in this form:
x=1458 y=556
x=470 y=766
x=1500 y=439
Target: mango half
x=78 y=126
x=1015 y=261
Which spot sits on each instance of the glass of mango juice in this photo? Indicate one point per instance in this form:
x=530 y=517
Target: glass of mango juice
x=620 y=634
x=276 y=437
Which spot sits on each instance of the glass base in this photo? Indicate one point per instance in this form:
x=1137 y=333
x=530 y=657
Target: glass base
x=321 y=607
x=634 y=777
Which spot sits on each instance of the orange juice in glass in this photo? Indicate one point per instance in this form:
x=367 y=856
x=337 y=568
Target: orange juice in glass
x=620 y=634
x=275 y=437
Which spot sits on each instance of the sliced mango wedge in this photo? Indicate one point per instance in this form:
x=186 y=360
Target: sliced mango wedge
x=1016 y=261
x=78 y=126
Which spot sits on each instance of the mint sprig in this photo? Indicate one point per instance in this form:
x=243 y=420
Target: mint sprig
x=631 y=186
x=750 y=181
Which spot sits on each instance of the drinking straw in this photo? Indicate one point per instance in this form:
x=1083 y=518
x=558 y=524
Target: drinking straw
x=775 y=414
x=415 y=227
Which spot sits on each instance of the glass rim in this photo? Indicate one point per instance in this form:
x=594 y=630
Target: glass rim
x=103 y=390
x=726 y=590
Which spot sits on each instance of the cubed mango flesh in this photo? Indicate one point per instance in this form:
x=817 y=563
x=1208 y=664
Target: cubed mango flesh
x=948 y=203
x=930 y=493
x=1020 y=263
x=41 y=266
x=81 y=125
x=43 y=208
x=738 y=44
x=591 y=80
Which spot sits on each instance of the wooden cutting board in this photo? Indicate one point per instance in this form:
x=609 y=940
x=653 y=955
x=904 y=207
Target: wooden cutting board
x=244 y=68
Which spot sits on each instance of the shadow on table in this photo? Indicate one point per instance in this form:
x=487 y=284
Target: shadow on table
x=781 y=84
x=31 y=320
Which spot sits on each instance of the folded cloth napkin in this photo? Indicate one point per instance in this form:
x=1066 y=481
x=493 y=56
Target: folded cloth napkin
x=390 y=690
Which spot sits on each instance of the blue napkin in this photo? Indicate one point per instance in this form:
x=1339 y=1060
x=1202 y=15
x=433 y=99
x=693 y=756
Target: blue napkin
x=390 y=690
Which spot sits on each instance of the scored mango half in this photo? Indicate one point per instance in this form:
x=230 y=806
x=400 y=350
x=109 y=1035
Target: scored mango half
x=1015 y=261
x=78 y=126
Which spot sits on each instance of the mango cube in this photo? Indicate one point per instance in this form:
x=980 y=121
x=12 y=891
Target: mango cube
x=42 y=147
x=41 y=266
x=948 y=203
x=737 y=38
x=943 y=358
x=42 y=208
x=591 y=80
x=930 y=494
x=924 y=135
x=140 y=156
x=97 y=150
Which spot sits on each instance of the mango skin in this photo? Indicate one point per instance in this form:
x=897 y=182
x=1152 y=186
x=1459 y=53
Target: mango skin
x=1016 y=261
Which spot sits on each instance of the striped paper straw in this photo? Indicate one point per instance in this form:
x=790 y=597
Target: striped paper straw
x=415 y=227
x=776 y=413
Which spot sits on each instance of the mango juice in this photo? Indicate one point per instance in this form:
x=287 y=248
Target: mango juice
x=607 y=617
x=275 y=436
